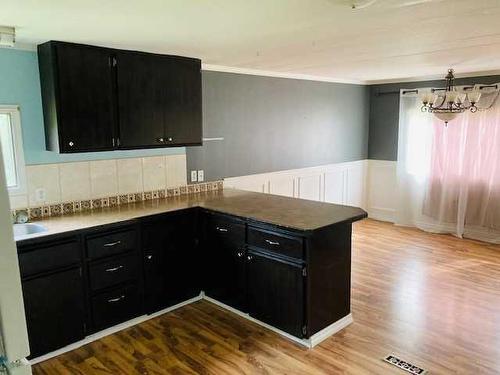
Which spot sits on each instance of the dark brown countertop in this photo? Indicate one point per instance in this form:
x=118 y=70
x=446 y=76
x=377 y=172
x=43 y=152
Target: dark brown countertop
x=291 y=213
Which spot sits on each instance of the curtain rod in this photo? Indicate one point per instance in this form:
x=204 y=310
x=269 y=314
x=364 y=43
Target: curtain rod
x=415 y=91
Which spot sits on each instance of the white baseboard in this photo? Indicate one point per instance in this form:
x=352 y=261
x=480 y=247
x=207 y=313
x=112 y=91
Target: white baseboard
x=382 y=214
x=111 y=330
x=308 y=343
x=330 y=330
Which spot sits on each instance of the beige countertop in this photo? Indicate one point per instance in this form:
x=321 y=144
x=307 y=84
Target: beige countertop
x=297 y=214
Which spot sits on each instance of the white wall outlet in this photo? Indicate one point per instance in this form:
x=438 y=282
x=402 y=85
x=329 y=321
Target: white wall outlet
x=40 y=195
x=194 y=176
x=201 y=175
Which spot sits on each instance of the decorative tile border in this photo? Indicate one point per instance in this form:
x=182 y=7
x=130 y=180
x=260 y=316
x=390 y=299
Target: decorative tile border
x=67 y=208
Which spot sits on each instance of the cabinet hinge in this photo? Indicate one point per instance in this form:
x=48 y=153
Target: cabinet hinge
x=304 y=271
x=304 y=330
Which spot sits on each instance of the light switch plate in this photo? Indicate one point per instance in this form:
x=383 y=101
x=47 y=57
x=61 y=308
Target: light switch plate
x=201 y=175
x=40 y=195
x=194 y=176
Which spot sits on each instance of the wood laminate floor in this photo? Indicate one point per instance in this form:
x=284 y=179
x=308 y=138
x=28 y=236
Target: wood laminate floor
x=431 y=299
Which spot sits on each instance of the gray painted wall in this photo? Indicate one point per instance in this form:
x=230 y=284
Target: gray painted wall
x=272 y=124
x=384 y=114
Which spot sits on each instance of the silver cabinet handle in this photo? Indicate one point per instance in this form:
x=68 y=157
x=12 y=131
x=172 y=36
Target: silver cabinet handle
x=160 y=140
x=272 y=242
x=249 y=257
x=224 y=230
x=239 y=254
x=149 y=257
x=170 y=139
x=112 y=300
x=114 y=269
x=71 y=143
x=111 y=244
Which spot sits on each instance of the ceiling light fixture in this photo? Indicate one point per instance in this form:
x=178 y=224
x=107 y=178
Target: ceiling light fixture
x=446 y=104
x=362 y=4
x=7 y=36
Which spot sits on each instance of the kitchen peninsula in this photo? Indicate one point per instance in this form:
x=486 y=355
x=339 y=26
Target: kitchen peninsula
x=284 y=263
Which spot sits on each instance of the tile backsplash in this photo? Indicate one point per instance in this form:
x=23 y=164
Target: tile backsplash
x=58 y=189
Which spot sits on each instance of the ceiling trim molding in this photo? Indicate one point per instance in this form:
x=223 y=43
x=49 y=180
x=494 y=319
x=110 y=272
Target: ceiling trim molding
x=267 y=73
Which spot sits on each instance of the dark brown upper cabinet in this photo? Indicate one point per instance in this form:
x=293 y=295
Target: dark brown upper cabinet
x=77 y=96
x=99 y=99
x=159 y=100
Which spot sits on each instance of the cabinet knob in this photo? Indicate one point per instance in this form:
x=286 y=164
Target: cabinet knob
x=161 y=140
x=239 y=254
x=149 y=257
x=249 y=257
x=71 y=144
x=170 y=139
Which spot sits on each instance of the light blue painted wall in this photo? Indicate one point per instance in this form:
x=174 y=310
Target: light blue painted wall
x=20 y=85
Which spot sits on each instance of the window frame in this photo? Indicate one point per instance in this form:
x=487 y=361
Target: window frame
x=15 y=122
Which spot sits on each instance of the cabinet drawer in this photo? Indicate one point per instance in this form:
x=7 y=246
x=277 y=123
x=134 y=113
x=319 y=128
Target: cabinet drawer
x=116 y=306
x=113 y=271
x=225 y=230
x=49 y=257
x=279 y=243
x=111 y=243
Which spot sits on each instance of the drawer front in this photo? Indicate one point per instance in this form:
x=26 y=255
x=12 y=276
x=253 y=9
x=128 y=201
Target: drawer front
x=116 y=306
x=113 y=271
x=49 y=258
x=225 y=230
x=111 y=243
x=279 y=243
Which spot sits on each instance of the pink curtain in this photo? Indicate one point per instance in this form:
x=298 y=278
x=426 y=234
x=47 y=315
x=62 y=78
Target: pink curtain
x=464 y=179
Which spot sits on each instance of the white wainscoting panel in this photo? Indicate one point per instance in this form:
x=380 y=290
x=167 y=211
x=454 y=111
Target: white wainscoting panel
x=342 y=183
x=282 y=185
x=381 y=189
x=310 y=187
x=334 y=186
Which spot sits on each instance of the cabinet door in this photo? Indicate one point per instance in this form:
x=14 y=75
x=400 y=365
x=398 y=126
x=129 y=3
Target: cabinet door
x=154 y=247
x=276 y=292
x=142 y=98
x=85 y=95
x=171 y=261
x=224 y=251
x=182 y=258
x=183 y=106
x=225 y=273
x=54 y=311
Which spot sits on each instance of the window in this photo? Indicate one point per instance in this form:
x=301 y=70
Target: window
x=12 y=149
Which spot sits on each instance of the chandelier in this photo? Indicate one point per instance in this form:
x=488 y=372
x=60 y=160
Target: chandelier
x=449 y=104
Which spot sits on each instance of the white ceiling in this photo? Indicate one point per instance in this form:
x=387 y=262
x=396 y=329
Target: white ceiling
x=388 y=40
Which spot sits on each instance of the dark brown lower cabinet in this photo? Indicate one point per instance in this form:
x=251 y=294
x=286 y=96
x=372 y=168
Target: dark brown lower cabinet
x=172 y=260
x=275 y=290
x=295 y=281
x=116 y=306
x=225 y=265
x=55 y=314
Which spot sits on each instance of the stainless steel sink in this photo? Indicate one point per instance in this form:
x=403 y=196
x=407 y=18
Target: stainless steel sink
x=27 y=230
